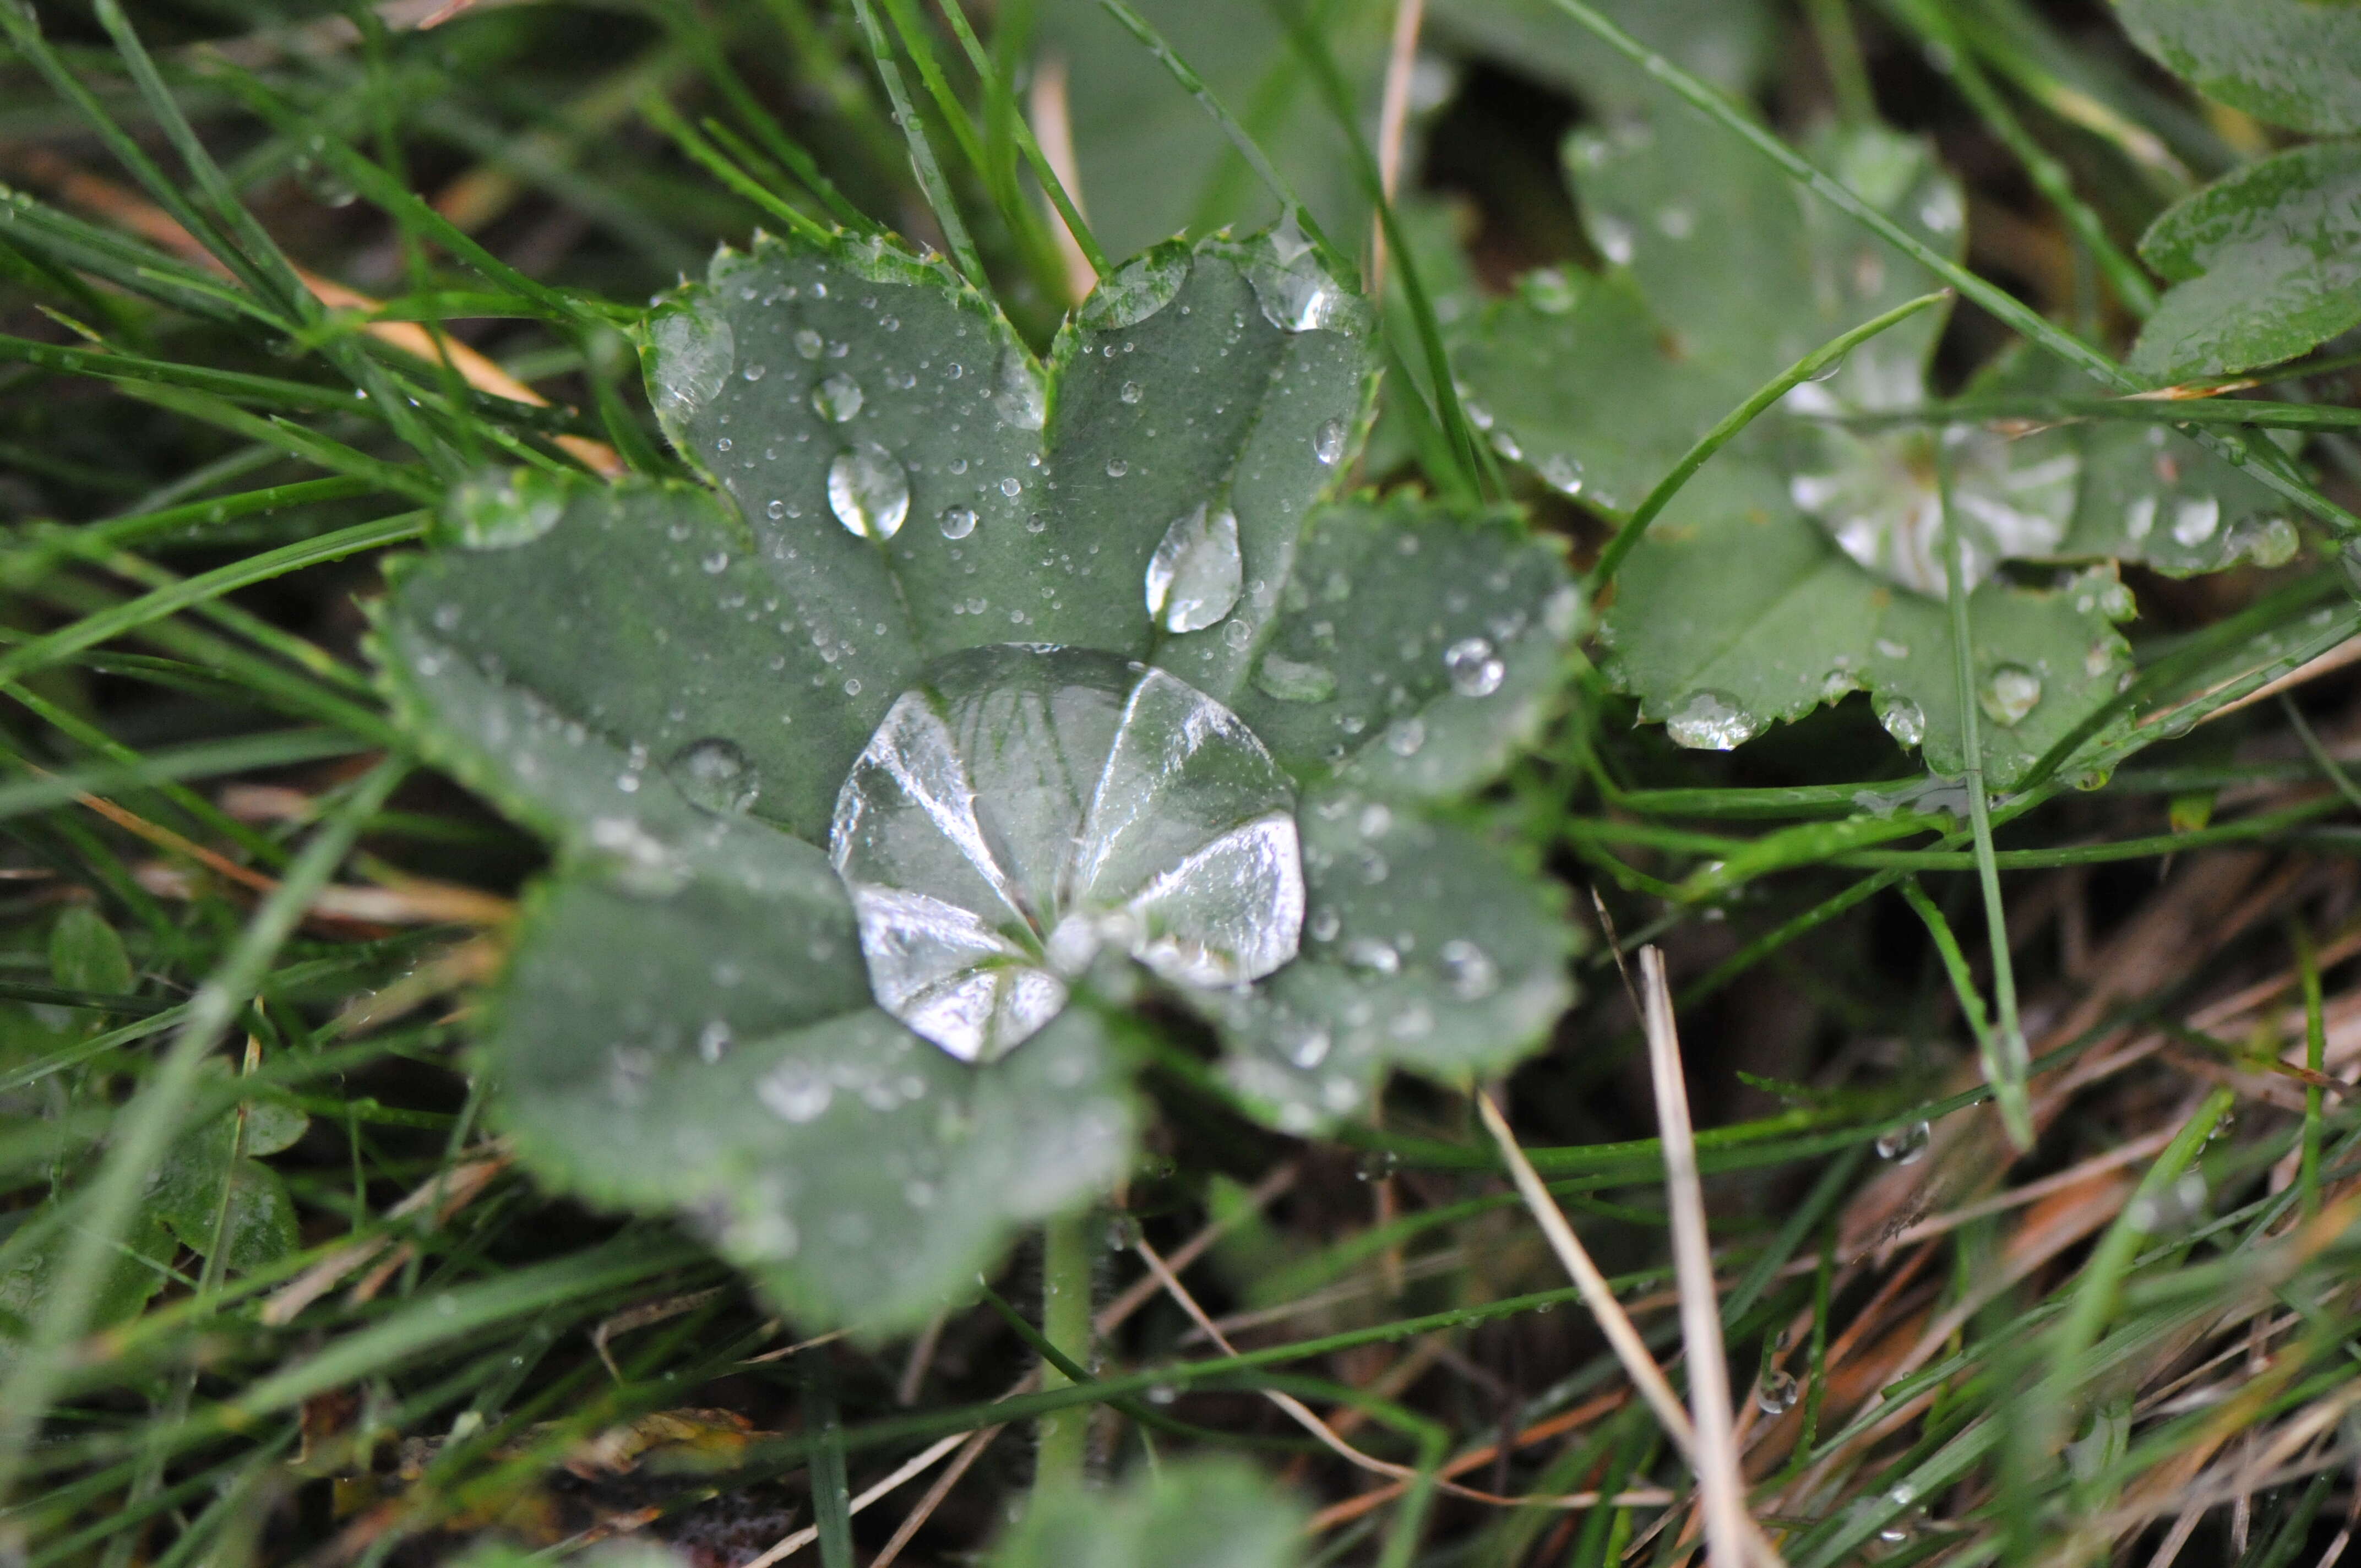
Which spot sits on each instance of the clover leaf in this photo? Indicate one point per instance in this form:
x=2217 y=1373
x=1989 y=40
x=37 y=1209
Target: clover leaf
x=972 y=701
x=1198 y=1513
x=1806 y=560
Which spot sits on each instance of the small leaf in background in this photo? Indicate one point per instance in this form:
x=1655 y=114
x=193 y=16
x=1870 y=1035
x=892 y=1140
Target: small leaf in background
x=29 y=1264
x=1728 y=42
x=2265 y=264
x=87 y=954
x=1196 y=1513
x=2293 y=62
x=206 y=1188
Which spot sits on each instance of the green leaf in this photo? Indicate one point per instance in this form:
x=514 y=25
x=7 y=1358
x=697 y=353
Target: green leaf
x=87 y=954
x=1719 y=652
x=1228 y=376
x=29 y=1270
x=2293 y=62
x=1692 y=321
x=204 y=1187
x=1155 y=164
x=1197 y=1513
x=1728 y=42
x=713 y=1051
x=1426 y=947
x=1414 y=649
x=2267 y=263
x=2153 y=496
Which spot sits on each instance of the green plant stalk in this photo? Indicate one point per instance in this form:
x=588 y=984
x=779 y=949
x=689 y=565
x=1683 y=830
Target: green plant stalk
x=1840 y=45
x=830 y=1492
x=660 y=114
x=1021 y=134
x=2260 y=413
x=2315 y=1052
x=1933 y=24
x=2012 y=310
x=2329 y=766
x=145 y=1126
x=1068 y=1264
x=932 y=182
x=1627 y=536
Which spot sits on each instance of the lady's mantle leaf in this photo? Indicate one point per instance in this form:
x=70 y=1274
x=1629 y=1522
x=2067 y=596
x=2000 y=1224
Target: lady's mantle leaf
x=2267 y=263
x=902 y=462
x=1414 y=649
x=1198 y=1513
x=28 y=1271
x=2293 y=62
x=1424 y=947
x=1737 y=611
x=713 y=1051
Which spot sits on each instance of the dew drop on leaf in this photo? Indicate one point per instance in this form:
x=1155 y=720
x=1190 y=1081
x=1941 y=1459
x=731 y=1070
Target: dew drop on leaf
x=1775 y=1393
x=694 y=354
x=795 y=1092
x=1709 y=720
x=868 y=491
x=1371 y=956
x=2010 y=692
x=1116 y=468
x=1405 y=737
x=1903 y=720
x=499 y=511
x=1474 y=667
x=1328 y=443
x=1022 y=400
x=2194 y=521
x=1026 y=807
x=1131 y=392
x=837 y=398
x=1468 y=970
x=1137 y=290
x=1562 y=474
x=808 y=343
x=1904 y=1145
x=1290 y=681
x=716 y=774
x=1296 y=293
x=1194 y=577
x=958 y=522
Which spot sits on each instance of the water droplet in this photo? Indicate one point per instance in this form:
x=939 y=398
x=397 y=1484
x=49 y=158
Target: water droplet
x=1295 y=292
x=1710 y=721
x=1371 y=956
x=1776 y=1392
x=755 y=372
x=1404 y=737
x=868 y=491
x=1289 y=681
x=2194 y=521
x=808 y=343
x=713 y=1041
x=1162 y=1394
x=1376 y=1165
x=1026 y=803
x=499 y=511
x=1474 y=669
x=1134 y=290
x=1022 y=400
x=1131 y=392
x=795 y=1092
x=1012 y=486
x=2175 y=1208
x=1562 y=474
x=837 y=398
x=716 y=774
x=1903 y=720
x=2009 y=693
x=1468 y=970
x=1194 y=577
x=1328 y=443
x=958 y=522
x=1904 y=1145
x=1116 y=468
x=694 y=353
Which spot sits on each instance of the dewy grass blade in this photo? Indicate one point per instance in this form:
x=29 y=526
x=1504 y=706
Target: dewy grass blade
x=145 y=1126
x=1021 y=134
x=661 y=115
x=2262 y=461
x=1829 y=353
x=932 y=182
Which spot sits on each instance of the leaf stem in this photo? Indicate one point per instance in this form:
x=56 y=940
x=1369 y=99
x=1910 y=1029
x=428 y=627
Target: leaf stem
x=1066 y=1272
x=2006 y=1060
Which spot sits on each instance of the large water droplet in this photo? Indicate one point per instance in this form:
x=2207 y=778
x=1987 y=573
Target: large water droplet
x=1134 y=291
x=1296 y=293
x=1194 y=577
x=1289 y=681
x=837 y=398
x=1776 y=1392
x=2010 y=692
x=958 y=522
x=716 y=774
x=1027 y=807
x=1474 y=667
x=1328 y=443
x=1710 y=721
x=868 y=491
x=499 y=511
x=1903 y=720
x=1021 y=399
x=1562 y=474
x=1904 y=1145
x=694 y=353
